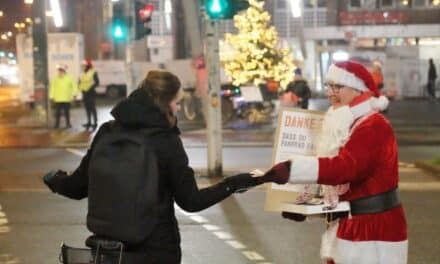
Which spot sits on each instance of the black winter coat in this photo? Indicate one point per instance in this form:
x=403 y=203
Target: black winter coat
x=176 y=182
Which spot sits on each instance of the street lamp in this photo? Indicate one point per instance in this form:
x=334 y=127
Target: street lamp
x=56 y=11
x=19 y=26
x=295 y=7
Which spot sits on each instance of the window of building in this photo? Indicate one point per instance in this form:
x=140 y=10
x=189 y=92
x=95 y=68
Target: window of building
x=355 y=3
x=369 y=4
x=419 y=3
x=363 y=4
x=387 y=3
x=281 y=4
x=314 y=3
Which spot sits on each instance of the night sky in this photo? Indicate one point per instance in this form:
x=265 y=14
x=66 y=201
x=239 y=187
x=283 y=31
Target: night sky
x=13 y=11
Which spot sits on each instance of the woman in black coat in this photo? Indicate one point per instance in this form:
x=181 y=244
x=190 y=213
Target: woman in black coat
x=153 y=105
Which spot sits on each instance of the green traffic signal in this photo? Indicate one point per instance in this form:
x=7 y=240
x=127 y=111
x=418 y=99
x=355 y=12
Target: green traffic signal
x=224 y=9
x=119 y=26
x=217 y=9
x=119 y=30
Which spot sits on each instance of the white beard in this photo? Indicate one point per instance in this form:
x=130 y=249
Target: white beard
x=335 y=131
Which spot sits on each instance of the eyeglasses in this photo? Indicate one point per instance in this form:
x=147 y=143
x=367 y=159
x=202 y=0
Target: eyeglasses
x=334 y=87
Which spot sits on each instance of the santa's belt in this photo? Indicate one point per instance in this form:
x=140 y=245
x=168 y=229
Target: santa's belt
x=370 y=205
x=375 y=204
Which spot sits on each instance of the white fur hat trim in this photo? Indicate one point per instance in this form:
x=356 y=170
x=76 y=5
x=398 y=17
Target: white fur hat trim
x=341 y=76
x=379 y=103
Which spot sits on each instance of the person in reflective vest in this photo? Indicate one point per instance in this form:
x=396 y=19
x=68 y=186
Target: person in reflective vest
x=62 y=91
x=88 y=81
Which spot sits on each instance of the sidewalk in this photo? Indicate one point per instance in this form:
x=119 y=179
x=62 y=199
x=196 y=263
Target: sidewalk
x=416 y=122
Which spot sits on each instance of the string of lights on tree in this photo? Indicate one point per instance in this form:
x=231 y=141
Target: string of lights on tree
x=252 y=55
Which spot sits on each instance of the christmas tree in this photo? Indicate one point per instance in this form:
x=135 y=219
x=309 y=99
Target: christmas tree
x=255 y=57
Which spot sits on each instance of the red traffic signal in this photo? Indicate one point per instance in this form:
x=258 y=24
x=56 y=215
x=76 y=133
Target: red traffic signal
x=146 y=12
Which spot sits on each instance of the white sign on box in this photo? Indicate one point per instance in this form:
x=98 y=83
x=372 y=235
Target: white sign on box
x=297 y=132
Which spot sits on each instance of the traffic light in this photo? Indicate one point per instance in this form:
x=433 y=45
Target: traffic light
x=143 y=17
x=119 y=27
x=224 y=9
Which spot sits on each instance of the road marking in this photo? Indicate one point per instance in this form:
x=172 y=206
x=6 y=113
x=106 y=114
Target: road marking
x=4 y=229
x=6 y=258
x=3 y=221
x=252 y=255
x=211 y=227
x=199 y=219
x=76 y=152
x=223 y=235
x=235 y=244
x=226 y=237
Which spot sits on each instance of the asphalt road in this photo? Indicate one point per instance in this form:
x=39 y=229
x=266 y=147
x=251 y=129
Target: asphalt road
x=33 y=221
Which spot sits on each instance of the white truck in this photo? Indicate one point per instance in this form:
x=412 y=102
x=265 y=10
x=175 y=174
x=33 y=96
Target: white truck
x=112 y=74
x=112 y=77
x=63 y=48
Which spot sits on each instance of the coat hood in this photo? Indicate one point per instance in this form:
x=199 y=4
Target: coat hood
x=139 y=111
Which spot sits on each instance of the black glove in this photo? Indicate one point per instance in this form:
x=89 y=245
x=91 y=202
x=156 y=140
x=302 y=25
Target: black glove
x=48 y=178
x=240 y=183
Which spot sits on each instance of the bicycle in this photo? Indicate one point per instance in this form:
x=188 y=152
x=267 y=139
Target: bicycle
x=100 y=251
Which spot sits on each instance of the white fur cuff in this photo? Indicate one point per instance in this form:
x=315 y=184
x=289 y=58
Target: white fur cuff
x=304 y=169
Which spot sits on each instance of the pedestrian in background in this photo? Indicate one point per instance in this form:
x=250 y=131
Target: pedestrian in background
x=152 y=105
x=377 y=75
x=62 y=91
x=432 y=77
x=365 y=156
x=88 y=81
x=300 y=88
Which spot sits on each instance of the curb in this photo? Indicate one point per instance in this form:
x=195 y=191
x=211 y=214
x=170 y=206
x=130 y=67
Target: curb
x=425 y=165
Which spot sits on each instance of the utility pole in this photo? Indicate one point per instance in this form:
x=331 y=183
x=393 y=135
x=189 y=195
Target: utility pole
x=214 y=114
x=208 y=90
x=39 y=49
x=129 y=45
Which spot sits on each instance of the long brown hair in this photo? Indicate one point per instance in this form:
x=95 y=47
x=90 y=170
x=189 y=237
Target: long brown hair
x=162 y=87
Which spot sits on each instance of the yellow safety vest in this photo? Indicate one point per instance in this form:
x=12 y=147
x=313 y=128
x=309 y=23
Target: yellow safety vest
x=62 y=89
x=86 y=80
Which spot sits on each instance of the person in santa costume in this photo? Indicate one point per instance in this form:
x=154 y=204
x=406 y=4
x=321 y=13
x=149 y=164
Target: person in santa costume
x=357 y=155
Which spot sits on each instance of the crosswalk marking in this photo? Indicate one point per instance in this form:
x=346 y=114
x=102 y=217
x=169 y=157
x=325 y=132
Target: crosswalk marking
x=211 y=227
x=3 y=221
x=223 y=235
x=199 y=219
x=252 y=255
x=76 y=152
x=235 y=244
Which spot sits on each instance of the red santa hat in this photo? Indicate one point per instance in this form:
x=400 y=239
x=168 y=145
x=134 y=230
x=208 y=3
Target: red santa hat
x=356 y=76
x=87 y=63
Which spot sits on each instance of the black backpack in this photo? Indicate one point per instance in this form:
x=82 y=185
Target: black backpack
x=123 y=185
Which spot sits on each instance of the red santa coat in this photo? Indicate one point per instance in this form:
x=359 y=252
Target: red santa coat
x=368 y=161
